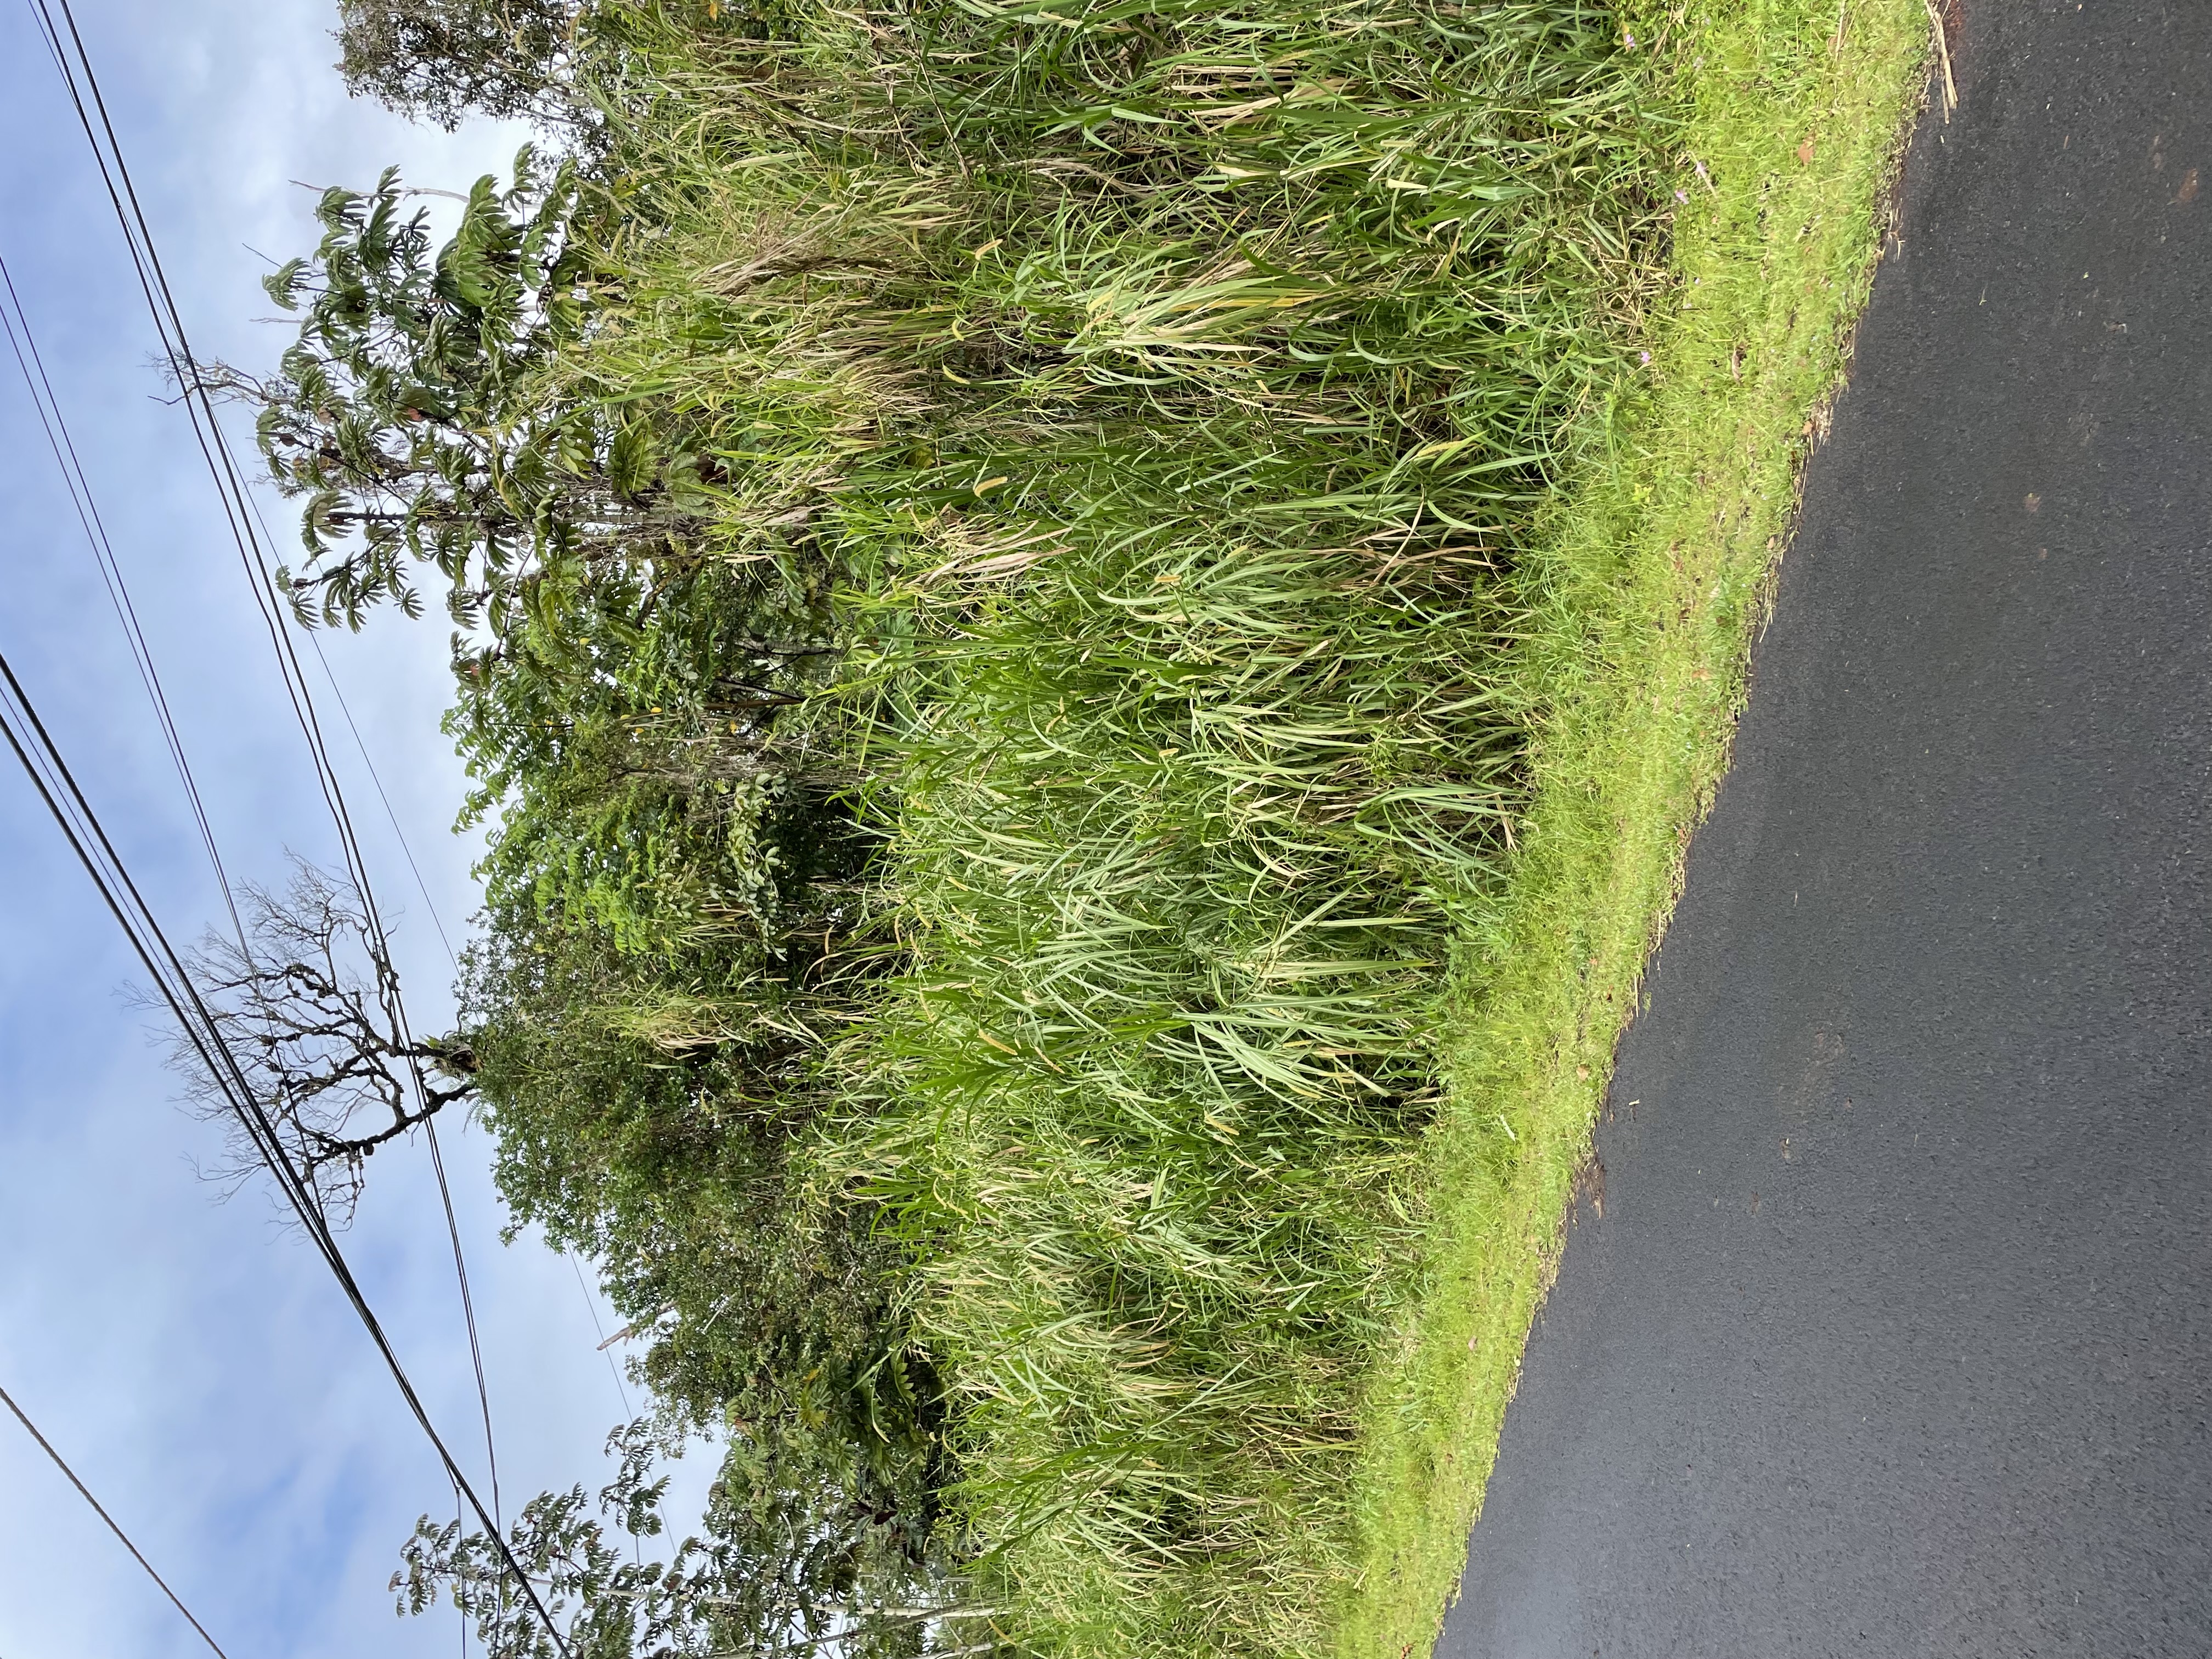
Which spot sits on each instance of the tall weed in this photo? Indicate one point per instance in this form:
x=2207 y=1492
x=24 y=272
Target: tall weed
x=1103 y=433
x=1168 y=388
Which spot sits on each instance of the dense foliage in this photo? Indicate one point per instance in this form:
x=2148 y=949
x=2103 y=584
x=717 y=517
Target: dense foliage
x=977 y=534
x=441 y=59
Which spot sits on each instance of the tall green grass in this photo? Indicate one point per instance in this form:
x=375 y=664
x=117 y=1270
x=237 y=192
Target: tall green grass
x=1645 y=586
x=1166 y=406
x=1182 y=844
x=1168 y=389
x=1220 y=359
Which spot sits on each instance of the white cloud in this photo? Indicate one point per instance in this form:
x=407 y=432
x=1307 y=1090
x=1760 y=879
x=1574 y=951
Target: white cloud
x=193 y=1358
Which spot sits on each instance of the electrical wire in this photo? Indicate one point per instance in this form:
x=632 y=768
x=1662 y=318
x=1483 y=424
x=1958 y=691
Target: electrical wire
x=430 y=1124
x=238 y=509
x=407 y=851
x=599 y=1329
x=242 y=513
x=100 y=1509
x=25 y=346
x=15 y=321
x=42 y=762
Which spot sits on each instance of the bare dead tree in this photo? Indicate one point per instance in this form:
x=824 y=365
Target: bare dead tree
x=310 y=1006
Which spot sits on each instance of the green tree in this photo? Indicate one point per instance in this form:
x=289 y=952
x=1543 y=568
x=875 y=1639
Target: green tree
x=635 y=1124
x=787 y=1566
x=679 y=921
x=411 y=413
x=636 y=1120
x=438 y=59
x=646 y=713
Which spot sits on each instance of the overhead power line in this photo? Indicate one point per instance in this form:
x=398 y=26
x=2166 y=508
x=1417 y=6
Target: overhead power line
x=22 y=340
x=72 y=61
x=25 y=346
x=41 y=759
x=240 y=511
x=242 y=514
x=99 y=1509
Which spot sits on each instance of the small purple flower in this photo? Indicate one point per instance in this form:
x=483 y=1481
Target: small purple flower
x=1644 y=356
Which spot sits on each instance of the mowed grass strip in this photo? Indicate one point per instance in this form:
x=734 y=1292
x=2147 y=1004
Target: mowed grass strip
x=1645 y=590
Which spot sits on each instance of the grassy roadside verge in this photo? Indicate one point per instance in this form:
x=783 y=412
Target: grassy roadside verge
x=1050 y=582
x=1646 y=594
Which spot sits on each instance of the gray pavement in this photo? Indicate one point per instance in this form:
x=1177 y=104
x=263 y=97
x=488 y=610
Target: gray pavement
x=1895 y=1336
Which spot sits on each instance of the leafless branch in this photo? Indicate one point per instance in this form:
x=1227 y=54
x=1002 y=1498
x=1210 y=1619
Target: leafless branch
x=308 y=1003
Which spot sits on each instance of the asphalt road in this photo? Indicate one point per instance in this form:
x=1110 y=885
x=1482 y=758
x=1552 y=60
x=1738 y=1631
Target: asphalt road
x=1895 y=1336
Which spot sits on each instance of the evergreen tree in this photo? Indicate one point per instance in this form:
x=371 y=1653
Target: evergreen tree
x=439 y=59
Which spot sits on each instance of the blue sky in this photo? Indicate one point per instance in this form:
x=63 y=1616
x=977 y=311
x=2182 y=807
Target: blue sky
x=191 y=1357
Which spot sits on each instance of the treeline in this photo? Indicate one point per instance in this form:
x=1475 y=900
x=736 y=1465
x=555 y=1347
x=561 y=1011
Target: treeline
x=980 y=542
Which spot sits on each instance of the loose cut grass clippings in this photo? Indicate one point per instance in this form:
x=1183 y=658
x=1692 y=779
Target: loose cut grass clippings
x=1643 y=596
